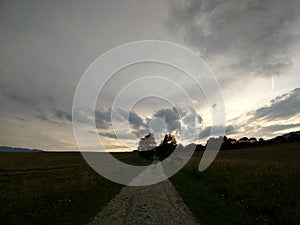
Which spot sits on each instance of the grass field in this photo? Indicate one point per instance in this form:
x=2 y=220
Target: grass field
x=53 y=188
x=246 y=186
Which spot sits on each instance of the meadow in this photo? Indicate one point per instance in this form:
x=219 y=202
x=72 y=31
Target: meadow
x=258 y=185
x=252 y=186
x=53 y=188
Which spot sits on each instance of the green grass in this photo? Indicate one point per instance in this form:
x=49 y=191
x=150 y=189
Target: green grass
x=53 y=188
x=247 y=186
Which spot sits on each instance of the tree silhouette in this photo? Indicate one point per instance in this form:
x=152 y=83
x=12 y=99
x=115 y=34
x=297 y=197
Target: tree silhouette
x=166 y=147
x=147 y=143
x=147 y=146
x=169 y=139
x=148 y=149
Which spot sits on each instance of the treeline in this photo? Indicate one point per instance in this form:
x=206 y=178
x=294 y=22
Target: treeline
x=245 y=142
x=149 y=149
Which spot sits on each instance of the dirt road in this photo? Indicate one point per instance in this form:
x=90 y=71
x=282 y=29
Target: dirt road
x=147 y=205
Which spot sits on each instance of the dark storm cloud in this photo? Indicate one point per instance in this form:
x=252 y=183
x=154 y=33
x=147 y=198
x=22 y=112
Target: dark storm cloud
x=183 y=120
x=282 y=107
x=251 y=35
x=171 y=118
x=140 y=125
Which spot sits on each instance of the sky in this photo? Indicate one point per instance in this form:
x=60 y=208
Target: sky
x=252 y=47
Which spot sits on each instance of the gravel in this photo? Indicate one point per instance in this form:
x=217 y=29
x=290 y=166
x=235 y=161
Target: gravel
x=146 y=205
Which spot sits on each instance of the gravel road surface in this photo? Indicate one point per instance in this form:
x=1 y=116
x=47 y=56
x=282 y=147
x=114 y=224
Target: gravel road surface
x=158 y=204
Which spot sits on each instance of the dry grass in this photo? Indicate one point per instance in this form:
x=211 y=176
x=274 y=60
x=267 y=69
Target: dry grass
x=52 y=188
x=248 y=186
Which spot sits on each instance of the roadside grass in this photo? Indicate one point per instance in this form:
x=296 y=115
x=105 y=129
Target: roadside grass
x=246 y=186
x=53 y=188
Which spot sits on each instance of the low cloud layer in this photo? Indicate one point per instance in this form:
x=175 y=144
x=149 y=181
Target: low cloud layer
x=282 y=107
x=279 y=127
x=271 y=119
x=186 y=123
x=206 y=132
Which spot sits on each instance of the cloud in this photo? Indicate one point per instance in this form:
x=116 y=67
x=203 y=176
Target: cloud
x=21 y=118
x=56 y=116
x=44 y=106
x=170 y=117
x=282 y=107
x=111 y=134
x=132 y=117
x=206 y=132
x=13 y=92
x=28 y=101
x=192 y=120
x=182 y=120
x=63 y=115
x=135 y=120
x=266 y=121
x=43 y=116
x=138 y=125
x=83 y=115
x=278 y=127
x=103 y=118
x=251 y=35
x=187 y=126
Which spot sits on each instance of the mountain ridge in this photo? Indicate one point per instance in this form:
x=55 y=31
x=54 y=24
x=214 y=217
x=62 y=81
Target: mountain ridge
x=16 y=149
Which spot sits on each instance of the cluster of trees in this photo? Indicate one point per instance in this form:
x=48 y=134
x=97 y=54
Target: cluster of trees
x=229 y=143
x=149 y=149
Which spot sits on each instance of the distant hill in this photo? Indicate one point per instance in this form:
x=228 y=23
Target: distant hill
x=11 y=149
x=291 y=134
x=289 y=137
